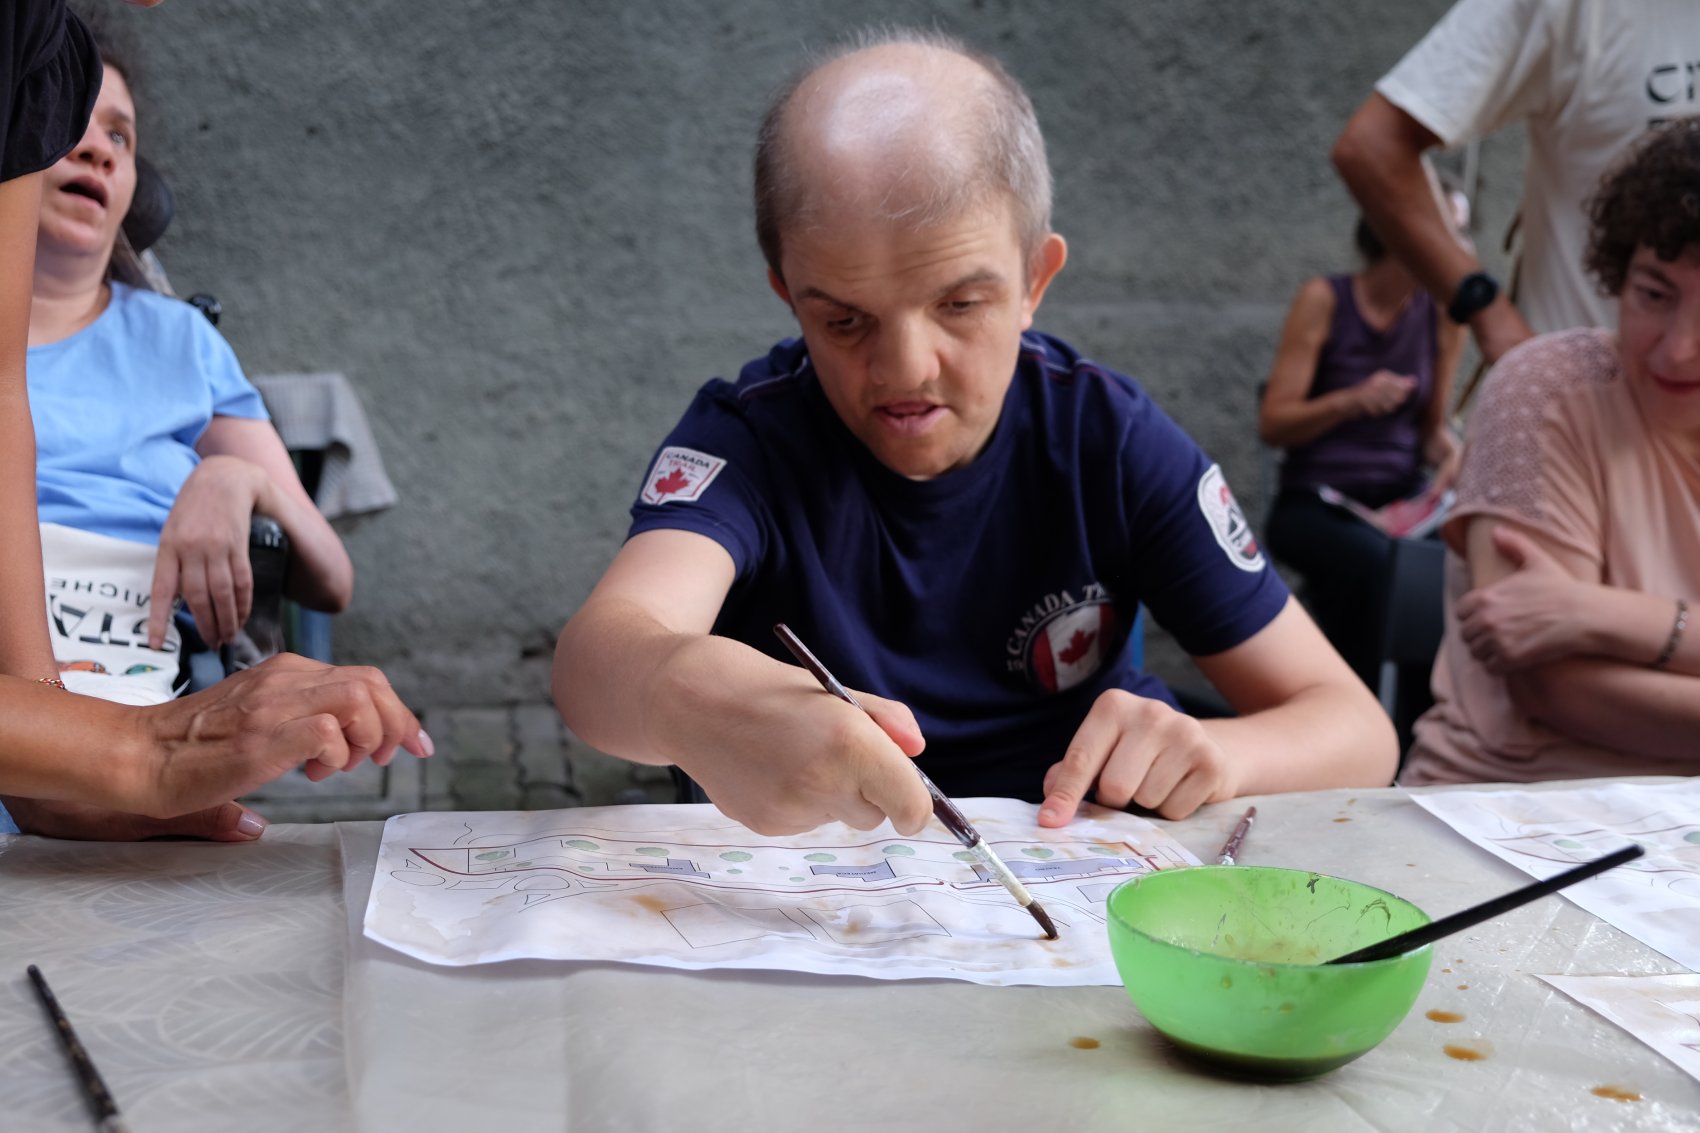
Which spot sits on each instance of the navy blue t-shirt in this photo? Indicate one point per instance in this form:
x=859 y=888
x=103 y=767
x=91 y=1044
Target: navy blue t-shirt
x=994 y=600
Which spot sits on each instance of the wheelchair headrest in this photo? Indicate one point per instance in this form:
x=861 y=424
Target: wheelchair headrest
x=151 y=210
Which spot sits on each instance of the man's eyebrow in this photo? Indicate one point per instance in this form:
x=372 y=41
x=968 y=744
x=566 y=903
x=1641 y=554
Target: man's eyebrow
x=983 y=275
x=809 y=293
x=121 y=118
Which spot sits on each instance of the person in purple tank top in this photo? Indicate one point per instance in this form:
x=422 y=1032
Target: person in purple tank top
x=1357 y=397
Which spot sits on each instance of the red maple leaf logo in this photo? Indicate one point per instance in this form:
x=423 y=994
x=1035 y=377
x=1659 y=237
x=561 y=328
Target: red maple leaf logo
x=1077 y=646
x=674 y=481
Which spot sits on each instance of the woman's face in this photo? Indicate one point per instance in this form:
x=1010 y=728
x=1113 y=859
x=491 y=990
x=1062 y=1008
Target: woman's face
x=87 y=193
x=1659 y=338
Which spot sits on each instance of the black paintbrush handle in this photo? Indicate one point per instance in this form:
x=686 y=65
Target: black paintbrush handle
x=94 y=1087
x=953 y=819
x=1446 y=926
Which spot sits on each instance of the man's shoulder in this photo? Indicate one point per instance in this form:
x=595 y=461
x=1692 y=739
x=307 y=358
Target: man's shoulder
x=1069 y=384
x=766 y=387
x=1064 y=367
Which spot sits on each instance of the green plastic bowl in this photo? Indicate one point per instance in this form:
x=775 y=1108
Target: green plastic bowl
x=1228 y=962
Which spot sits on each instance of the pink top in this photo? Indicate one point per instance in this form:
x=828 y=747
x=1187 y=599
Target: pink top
x=1558 y=443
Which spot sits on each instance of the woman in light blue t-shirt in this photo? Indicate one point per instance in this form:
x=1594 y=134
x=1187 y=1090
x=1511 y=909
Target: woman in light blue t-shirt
x=182 y=460
x=147 y=432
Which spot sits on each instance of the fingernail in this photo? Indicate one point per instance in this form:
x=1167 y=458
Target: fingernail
x=425 y=742
x=1047 y=812
x=251 y=824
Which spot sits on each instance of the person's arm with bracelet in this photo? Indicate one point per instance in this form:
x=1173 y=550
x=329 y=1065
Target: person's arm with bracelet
x=1288 y=416
x=1379 y=156
x=1608 y=666
x=79 y=767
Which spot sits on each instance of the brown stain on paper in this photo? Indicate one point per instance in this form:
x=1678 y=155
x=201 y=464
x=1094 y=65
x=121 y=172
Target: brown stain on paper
x=1467 y=1053
x=1439 y=1016
x=1615 y=1093
x=1084 y=1042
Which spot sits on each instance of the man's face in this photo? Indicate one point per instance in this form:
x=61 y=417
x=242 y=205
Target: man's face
x=1659 y=338
x=914 y=334
x=87 y=193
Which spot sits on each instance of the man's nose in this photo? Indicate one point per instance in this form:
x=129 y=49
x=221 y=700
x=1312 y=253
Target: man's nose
x=905 y=357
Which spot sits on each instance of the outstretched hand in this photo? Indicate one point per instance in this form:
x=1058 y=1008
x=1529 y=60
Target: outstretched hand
x=793 y=757
x=1527 y=618
x=252 y=727
x=1137 y=750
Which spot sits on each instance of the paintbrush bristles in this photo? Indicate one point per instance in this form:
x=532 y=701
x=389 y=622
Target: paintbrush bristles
x=946 y=811
x=1044 y=919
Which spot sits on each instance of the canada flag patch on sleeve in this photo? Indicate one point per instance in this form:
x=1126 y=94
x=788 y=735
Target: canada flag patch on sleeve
x=1227 y=521
x=680 y=475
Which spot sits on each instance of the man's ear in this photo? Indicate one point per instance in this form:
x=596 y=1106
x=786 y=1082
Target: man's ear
x=1047 y=261
x=780 y=289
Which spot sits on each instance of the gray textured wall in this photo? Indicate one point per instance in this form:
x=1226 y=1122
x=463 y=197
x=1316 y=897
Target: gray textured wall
x=523 y=229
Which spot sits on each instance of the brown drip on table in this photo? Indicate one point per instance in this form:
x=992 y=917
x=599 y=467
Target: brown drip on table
x=1464 y=1053
x=1615 y=1093
x=1440 y=1016
x=1342 y=820
x=1086 y=1042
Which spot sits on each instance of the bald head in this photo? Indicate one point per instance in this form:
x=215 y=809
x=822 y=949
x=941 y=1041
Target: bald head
x=904 y=128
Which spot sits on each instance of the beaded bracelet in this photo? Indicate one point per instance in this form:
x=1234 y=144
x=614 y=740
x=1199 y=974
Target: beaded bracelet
x=1675 y=638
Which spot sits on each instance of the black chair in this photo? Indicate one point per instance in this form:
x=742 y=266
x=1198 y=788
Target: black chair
x=1413 y=622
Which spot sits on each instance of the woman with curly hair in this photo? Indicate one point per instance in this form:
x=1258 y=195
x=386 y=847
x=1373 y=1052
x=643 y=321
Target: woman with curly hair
x=1576 y=534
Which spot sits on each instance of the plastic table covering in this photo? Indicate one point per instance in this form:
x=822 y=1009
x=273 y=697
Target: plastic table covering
x=229 y=986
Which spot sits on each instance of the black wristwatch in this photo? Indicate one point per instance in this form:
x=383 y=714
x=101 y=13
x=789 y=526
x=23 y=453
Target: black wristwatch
x=1475 y=291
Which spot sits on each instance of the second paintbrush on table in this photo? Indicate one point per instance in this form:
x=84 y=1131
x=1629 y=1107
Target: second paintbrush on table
x=952 y=818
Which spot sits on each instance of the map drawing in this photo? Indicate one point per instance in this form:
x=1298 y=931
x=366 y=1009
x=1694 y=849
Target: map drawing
x=686 y=887
x=1655 y=899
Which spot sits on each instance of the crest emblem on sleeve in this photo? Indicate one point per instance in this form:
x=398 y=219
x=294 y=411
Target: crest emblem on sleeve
x=1227 y=521
x=680 y=475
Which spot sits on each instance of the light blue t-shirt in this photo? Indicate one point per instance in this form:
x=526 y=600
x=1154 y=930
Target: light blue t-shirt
x=118 y=408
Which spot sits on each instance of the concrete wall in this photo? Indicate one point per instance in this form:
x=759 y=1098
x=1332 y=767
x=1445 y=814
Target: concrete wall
x=523 y=229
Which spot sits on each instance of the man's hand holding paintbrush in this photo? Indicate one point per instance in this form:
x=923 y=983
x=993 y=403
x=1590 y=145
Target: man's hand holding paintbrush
x=754 y=732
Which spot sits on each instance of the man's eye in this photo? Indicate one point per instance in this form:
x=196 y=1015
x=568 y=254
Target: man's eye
x=843 y=325
x=1653 y=295
x=119 y=138
x=962 y=306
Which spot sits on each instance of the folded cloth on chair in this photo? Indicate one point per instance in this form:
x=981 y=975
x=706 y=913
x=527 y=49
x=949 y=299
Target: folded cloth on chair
x=323 y=411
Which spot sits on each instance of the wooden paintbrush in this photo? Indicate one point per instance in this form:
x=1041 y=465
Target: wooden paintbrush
x=94 y=1088
x=952 y=818
x=1231 y=848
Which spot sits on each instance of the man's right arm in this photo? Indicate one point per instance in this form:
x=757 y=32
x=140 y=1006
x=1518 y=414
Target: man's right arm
x=638 y=674
x=1379 y=156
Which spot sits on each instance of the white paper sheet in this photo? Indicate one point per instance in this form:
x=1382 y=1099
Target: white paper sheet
x=686 y=887
x=1661 y=1011
x=1655 y=899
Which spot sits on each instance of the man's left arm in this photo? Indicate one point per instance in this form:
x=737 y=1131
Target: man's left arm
x=1306 y=722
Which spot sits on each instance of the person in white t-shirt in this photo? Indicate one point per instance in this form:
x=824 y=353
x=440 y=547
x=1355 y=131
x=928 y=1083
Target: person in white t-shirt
x=1585 y=77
